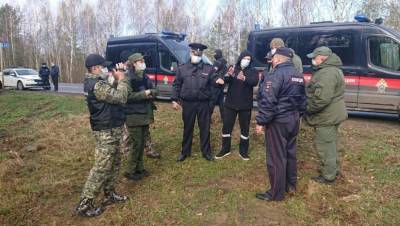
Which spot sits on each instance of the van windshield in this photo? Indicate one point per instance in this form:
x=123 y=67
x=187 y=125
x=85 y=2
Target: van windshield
x=181 y=49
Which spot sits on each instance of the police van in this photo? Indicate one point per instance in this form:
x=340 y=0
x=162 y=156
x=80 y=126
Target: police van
x=370 y=54
x=163 y=52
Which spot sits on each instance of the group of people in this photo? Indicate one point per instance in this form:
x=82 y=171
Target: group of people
x=283 y=99
x=45 y=73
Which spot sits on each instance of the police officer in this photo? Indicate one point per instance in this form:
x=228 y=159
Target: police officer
x=55 y=74
x=107 y=116
x=241 y=80
x=44 y=74
x=217 y=92
x=281 y=101
x=192 y=91
x=326 y=109
x=139 y=110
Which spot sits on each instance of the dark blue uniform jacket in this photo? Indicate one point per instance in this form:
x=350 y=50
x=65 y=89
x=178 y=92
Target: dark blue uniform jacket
x=281 y=94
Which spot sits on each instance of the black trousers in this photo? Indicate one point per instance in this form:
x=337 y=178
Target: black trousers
x=55 y=82
x=220 y=103
x=280 y=136
x=190 y=111
x=228 y=124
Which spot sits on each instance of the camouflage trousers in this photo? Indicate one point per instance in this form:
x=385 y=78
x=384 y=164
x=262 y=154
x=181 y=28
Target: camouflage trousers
x=106 y=164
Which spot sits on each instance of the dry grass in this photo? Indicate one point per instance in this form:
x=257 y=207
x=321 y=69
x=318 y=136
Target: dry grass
x=42 y=186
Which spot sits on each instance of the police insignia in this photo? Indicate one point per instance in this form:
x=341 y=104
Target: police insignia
x=382 y=85
x=165 y=80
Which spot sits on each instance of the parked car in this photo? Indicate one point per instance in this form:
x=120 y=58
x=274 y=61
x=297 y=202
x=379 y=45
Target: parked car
x=370 y=53
x=163 y=52
x=21 y=78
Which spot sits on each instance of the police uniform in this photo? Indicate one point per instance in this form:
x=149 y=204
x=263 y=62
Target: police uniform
x=281 y=101
x=107 y=116
x=139 y=111
x=192 y=88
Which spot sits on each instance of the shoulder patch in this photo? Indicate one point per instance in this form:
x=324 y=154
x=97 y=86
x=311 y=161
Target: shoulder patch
x=297 y=80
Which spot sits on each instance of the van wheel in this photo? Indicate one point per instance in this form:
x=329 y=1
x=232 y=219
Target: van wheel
x=20 y=86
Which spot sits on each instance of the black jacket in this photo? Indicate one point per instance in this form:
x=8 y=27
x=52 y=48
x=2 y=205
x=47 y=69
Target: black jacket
x=44 y=72
x=102 y=115
x=281 y=94
x=193 y=82
x=221 y=69
x=54 y=71
x=240 y=93
x=137 y=85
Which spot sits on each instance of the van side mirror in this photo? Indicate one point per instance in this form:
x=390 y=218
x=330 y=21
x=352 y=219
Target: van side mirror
x=13 y=74
x=174 y=66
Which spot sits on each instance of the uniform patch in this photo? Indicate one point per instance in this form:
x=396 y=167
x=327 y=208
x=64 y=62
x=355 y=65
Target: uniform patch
x=298 y=80
x=204 y=73
x=268 y=85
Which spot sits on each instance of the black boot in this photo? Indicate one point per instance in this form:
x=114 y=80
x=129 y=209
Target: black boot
x=225 y=149
x=244 y=149
x=112 y=197
x=85 y=208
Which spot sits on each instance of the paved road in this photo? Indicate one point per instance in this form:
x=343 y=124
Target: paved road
x=76 y=88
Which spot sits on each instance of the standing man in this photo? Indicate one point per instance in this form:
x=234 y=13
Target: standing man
x=217 y=92
x=107 y=116
x=44 y=74
x=277 y=43
x=192 y=91
x=139 y=111
x=326 y=109
x=281 y=101
x=55 y=74
x=241 y=79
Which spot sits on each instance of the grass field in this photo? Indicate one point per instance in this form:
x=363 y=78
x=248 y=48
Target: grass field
x=47 y=150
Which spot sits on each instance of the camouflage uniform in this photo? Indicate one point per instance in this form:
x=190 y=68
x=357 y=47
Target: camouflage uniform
x=107 y=153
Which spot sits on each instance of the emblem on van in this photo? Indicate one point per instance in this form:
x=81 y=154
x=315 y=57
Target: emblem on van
x=165 y=80
x=382 y=85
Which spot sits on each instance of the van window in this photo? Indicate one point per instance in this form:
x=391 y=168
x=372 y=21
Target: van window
x=384 y=52
x=262 y=44
x=166 y=60
x=146 y=49
x=342 y=44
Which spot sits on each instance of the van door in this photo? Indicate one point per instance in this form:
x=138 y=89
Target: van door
x=166 y=72
x=344 y=43
x=380 y=82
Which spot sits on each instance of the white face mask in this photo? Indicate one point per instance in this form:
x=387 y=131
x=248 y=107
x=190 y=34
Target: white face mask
x=104 y=70
x=244 y=63
x=195 y=59
x=142 y=66
x=314 y=62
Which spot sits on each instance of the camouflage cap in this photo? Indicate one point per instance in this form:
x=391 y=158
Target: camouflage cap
x=276 y=42
x=320 y=51
x=135 y=57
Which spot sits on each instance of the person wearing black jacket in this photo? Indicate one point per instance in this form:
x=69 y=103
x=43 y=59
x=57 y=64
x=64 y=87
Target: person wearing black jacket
x=281 y=102
x=44 y=74
x=241 y=80
x=55 y=74
x=217 y=92
x=192 y=91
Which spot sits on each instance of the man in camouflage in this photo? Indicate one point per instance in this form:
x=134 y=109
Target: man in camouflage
x=139 y=110
x=105 y=102
x=149 y=150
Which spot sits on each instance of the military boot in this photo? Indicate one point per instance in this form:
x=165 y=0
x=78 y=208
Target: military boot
x=85 y=208
x=150 y=152
x=112 y=198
